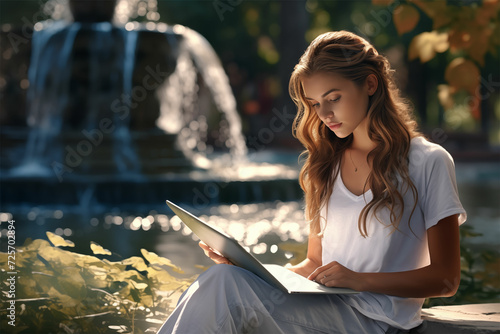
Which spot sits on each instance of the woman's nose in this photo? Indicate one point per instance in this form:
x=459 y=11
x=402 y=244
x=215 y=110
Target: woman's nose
x=324 y=112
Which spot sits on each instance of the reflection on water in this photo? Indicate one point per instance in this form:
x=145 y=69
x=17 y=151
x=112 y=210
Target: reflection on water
x=263 y=227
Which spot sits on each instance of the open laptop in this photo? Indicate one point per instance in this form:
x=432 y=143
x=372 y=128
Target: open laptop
x=275 y=275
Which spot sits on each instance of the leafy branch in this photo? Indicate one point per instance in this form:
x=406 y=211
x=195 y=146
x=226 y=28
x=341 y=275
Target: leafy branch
x=59 y=291
x=468 y=33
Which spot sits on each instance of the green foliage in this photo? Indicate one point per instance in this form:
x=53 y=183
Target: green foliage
x=480 y=275
x=480 y=272
x=59 y=291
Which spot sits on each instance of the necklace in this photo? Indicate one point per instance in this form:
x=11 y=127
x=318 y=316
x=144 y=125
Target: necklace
x=355 y=168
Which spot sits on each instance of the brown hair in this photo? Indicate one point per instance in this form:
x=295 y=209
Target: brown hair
x=391 y=127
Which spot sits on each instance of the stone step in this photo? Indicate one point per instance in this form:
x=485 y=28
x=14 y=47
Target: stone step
x=460 y=319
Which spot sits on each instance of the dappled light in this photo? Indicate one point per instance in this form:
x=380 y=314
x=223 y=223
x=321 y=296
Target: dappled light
x=108 y=112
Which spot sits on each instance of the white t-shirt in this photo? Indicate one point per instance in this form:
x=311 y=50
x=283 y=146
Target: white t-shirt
x=432 y=171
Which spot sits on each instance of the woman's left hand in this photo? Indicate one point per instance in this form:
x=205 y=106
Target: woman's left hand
x=334 y=274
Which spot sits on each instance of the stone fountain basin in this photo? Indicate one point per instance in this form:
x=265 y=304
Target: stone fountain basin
x=197 y=187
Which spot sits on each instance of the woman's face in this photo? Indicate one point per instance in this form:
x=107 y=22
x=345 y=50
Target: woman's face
x=339 y=103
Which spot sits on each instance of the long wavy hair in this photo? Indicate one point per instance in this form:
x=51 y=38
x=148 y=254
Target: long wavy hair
x=391 y=127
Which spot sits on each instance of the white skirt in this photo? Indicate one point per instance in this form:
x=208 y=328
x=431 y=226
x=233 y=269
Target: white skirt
x=227 y=299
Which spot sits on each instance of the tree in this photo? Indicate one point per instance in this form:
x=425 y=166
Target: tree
x=468 y=31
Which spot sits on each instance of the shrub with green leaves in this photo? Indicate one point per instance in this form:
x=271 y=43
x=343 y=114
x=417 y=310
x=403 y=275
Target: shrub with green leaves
x=59 y=291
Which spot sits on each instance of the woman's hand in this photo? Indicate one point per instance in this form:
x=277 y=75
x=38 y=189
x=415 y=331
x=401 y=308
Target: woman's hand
x=334 y=274
x=212 y=254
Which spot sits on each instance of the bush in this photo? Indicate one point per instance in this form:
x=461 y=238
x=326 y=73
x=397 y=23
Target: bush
x=59 y=291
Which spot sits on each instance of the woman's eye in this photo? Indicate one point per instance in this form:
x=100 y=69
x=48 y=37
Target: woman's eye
x=315 y=105
x=336 y=99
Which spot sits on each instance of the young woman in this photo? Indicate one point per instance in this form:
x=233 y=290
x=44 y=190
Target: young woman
x=381 y=201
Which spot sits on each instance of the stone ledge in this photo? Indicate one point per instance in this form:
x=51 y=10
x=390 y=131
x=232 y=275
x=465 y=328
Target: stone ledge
x=461 y=319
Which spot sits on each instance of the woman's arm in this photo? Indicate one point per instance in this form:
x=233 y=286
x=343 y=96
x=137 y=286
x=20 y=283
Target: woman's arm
x=313 y=259
x=439 y=279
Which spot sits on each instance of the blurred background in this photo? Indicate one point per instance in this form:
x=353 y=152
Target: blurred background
x=108 y=108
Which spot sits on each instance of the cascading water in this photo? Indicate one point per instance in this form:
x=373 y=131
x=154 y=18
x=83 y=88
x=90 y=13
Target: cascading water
x=50 y=108
x=44 y=101
x=94 y=127
x=180 y=113
x=181 y=94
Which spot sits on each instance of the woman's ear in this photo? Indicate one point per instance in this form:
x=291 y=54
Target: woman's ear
x=371 y=84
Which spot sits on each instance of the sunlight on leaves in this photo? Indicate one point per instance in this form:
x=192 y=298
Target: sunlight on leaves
x=426 y=44
x=405 y=18
x=57 y=288
x=136 y=262
x=98 y=250
x=139 y=286
x=120 y=329
x=153 y=258
x=462 y=74
x=468 y=29
x=56 y=258
x=59 y=241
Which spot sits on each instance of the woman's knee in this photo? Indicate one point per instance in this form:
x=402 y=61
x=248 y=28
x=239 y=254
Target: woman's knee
x=223 y=272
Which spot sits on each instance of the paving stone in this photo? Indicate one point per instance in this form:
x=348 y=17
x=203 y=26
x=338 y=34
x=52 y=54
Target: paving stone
x=461 y=319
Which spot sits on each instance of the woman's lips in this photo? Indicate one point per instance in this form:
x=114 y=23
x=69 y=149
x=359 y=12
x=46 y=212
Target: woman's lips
x=334 y=126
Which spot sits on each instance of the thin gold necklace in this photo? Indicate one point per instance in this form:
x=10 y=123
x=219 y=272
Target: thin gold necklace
x=355 y=168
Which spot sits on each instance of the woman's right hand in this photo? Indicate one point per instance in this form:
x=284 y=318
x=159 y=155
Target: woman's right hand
x=212 y=254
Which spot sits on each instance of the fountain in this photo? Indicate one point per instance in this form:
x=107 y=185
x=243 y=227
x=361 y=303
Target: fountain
x=99 y=168
x=122 y=112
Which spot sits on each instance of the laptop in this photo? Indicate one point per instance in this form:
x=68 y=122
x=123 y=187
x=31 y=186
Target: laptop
x=273 y=274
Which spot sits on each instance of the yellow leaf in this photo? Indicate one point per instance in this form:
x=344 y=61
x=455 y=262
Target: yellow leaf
x=139 y=286
x=445 y=97
x=36 y=245
x=426 y=44
x=405 y=18
x=97 y=249
x=87 y=260
x=154 y=321
x=59 y=241
x=462 y=74
x=136 y=262
x=146 y=300
x=421 y=48
x=155 y=259
x=199 y=266
x=56 y=258
x=98 y=272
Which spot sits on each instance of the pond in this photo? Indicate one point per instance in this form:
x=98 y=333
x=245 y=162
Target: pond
x=274 y=231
